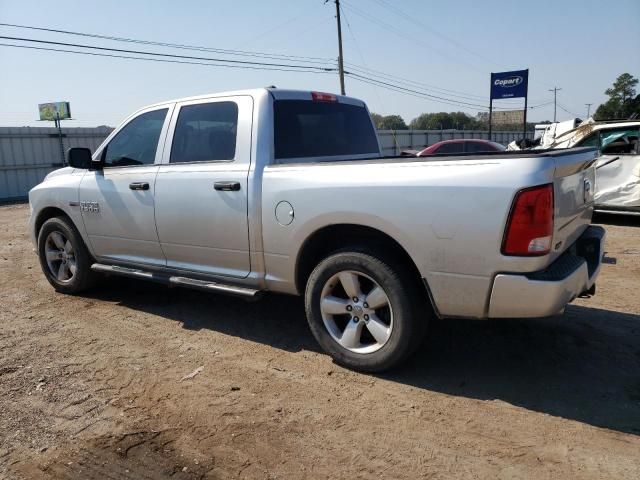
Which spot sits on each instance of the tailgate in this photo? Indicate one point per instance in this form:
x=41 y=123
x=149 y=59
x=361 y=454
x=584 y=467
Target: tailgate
x=574 y=187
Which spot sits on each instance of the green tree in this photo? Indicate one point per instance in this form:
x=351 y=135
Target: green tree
x=393 y=122
x=432 y=121
x=623 y=101
x=444 y=120
x=377 y=119
x=388 y=122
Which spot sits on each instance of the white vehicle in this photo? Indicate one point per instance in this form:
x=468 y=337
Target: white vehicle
x=547 y=132
x=618 y=167
x=286 y=191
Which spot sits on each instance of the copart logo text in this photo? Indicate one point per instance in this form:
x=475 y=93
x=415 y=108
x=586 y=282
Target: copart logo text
x=509 y=81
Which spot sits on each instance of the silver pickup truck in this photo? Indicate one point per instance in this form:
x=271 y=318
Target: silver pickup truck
x=286 y=191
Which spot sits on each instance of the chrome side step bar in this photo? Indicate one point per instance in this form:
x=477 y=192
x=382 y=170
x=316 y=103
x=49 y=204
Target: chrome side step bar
x=176 y=280
x=127 y=272
x=213 y=286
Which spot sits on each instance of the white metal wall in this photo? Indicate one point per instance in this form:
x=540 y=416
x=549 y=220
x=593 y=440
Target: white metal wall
x=27 y=154
x=393 y=141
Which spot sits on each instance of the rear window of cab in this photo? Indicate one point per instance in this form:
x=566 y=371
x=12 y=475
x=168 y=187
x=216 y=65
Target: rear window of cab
x=307 y=129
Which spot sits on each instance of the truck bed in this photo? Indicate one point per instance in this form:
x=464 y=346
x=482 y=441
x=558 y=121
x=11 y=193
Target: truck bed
x=449 y=213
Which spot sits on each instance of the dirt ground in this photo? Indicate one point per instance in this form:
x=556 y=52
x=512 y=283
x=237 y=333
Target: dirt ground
x=92 y=387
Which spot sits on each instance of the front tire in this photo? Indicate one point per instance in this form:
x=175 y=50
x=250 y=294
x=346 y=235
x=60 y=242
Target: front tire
x=64 y=258
x=367 y=313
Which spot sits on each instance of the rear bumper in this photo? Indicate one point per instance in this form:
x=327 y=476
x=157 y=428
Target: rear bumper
x=547 y=292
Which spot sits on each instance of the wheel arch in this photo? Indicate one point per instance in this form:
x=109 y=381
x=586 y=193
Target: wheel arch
x=47 y=213
x=333 y=238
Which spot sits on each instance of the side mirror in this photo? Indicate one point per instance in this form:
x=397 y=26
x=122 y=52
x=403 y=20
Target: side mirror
x=79 y=157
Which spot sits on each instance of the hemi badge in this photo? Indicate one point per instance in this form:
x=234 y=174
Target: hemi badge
x=74 y=204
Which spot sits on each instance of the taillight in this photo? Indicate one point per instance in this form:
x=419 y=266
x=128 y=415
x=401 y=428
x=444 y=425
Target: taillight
x=323 y=97
x=530 y=225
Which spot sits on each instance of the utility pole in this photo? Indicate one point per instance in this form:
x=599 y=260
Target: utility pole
x=555 y=92
x=340 y=61
x=59 y=127
x=588 y=105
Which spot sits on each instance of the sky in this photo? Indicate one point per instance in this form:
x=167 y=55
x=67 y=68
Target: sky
x=444 y=49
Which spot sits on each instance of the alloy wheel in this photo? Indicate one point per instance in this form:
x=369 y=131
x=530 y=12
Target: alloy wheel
x=60 y=257
x=356 y=312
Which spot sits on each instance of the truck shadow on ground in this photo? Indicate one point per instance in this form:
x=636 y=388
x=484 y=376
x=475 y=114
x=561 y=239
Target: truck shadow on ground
x=583 y=366
x=275 y=320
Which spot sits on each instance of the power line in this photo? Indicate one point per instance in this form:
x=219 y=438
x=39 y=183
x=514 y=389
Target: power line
x=453 y=41
x=541 y=105
x=394 y=89
x=353 y=37
x=414 y=84
x=367 y=16
x=302 y=59
x=573 y=114
x=274 y=56
x=363 y=79
x=162 y=60
x=425 y=25
x=401 y=89
x=277 y=27
x=375 y=88
x=414 y=92
x=370 y=18
x=394 y=8
x=359 y=51
x=373 y=77
x=363 y=70
x=426 y=86
x=271 y=66
x=169 y=55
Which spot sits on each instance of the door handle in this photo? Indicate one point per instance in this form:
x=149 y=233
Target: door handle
x=227 y=186
x=139 y=186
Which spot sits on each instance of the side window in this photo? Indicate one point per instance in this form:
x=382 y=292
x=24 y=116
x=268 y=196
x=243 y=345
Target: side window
x=619 y=141
x=477 y=147
x=205 y=132
x=137 y=142
x=591 y=141
x=450 y=148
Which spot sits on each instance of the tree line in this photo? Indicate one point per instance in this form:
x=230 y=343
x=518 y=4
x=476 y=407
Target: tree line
x=623 y=103
x=439 y=121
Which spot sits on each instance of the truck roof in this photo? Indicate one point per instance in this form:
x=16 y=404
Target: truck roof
x=278 y=94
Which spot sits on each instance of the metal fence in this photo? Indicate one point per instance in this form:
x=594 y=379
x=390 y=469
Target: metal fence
x=393 y=141
x=27 y=154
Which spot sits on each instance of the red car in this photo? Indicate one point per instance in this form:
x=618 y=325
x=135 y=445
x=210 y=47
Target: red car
x=458 y=146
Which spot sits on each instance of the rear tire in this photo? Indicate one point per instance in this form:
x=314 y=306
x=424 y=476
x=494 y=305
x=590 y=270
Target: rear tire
x=367 y=312
x=64 y=258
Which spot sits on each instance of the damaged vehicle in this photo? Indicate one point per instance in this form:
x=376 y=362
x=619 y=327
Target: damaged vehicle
x=618 y=165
